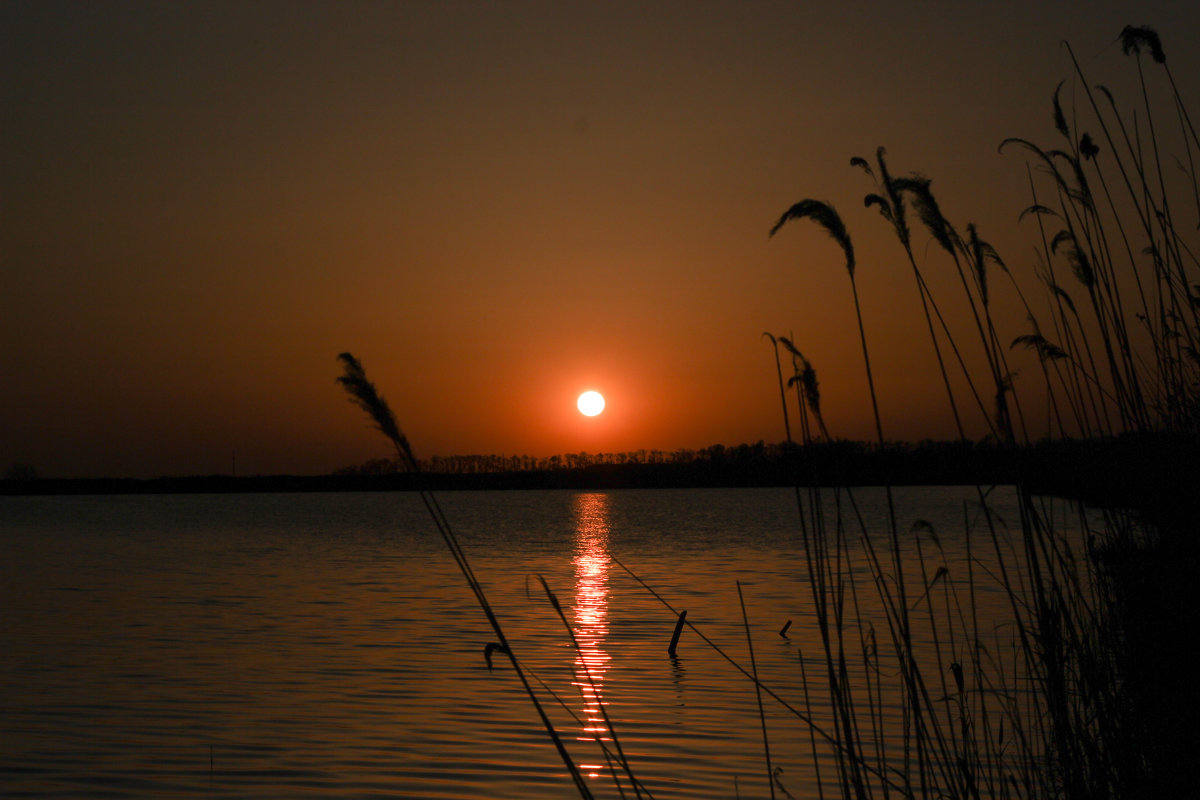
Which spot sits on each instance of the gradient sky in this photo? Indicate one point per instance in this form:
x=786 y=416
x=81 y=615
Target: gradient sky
x=494 y=206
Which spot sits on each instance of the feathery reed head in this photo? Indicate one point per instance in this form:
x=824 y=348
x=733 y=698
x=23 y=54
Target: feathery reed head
x=1087 y=147
x=979 y=256
x=1060 y=120
x=807 y=378
x=1046 y=350
x=1063 y=295
x=1081 y=266
x=927 y=209
x=824 y=215
x=1038 y=208
x=892 y=188
x=1133 y=38
x=926 y=527
x=363 y=394
x=791 y=348
x=885 y=209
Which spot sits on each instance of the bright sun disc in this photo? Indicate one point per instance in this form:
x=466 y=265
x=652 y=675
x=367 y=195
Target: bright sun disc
x=590 y=403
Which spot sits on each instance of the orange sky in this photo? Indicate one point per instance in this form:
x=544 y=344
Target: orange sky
x=495 y=207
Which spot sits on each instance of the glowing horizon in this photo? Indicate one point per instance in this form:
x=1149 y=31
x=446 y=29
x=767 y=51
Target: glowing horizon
x=496 y=210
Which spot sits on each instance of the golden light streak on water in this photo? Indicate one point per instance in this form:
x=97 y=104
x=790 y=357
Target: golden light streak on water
x=591 y=614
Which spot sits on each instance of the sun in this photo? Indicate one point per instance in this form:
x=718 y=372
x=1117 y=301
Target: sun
x=590 y=403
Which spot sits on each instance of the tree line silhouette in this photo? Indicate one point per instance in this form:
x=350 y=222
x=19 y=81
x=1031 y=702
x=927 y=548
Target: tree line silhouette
x=491 y=463
x=1159 y=466
x=746 y=464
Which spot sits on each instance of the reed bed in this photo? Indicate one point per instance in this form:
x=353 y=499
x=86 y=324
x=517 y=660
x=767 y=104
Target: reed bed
x=1114 y=323
x=927 y=698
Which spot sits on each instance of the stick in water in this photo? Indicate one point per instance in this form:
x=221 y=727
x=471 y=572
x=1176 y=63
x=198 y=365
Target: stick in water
x=675 y=636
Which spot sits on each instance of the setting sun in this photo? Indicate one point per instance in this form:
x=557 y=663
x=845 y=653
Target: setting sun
x=590 y=403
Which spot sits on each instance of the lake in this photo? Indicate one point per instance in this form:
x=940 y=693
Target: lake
x=326 y=645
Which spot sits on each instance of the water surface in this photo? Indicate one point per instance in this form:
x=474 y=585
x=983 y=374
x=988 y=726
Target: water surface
x=325 y=645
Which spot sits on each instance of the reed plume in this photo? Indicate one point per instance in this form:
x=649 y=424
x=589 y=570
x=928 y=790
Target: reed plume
x=804 y=378
x=1123 y=355
x=890 y=203
x=363 y=394
x=787 y=426
x=824 y=215
x=1133 y=38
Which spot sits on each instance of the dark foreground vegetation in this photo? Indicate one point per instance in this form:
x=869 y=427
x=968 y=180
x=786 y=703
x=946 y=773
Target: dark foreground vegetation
x=1111 y=311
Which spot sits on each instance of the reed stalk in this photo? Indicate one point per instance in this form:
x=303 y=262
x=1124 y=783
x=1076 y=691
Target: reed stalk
x=622 y=760
x=983 y=733
x=1036 y=707
x=762 y=716
x=363 y=394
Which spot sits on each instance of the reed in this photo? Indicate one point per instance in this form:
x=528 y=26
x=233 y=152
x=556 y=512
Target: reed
x=363 y=394
x=1040 y=706
x=762 y=717
x=1130 y=366
x=621 y=759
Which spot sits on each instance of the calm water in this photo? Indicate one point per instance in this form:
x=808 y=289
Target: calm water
x=325 y=644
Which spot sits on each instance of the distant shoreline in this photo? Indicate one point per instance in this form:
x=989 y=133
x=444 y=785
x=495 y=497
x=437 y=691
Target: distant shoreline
x=617 y=477
x=1124 y=471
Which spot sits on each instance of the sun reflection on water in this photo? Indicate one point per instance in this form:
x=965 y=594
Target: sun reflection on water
x=591 y=614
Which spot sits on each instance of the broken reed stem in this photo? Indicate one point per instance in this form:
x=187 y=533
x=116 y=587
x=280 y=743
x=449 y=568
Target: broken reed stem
x=675 y=636
x=803 y=717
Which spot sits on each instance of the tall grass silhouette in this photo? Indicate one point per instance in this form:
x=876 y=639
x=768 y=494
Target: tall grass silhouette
x=364 y=394
x=917 y=692
x=1117 y=351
